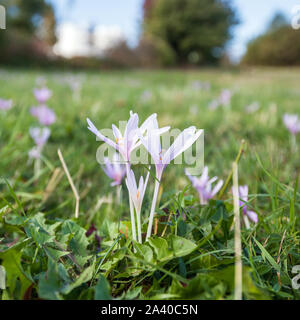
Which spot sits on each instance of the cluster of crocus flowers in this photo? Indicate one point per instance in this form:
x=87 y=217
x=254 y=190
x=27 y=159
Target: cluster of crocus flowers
x=243 y=194
x=44 y=114
x=5 y=104
x=46 y=117
x=148 y=134
x=203 y=185
x=292 y=123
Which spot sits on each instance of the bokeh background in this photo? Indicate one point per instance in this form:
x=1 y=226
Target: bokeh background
x=149 y=33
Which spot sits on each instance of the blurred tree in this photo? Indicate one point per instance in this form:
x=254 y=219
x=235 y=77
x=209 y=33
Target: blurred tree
x=279 y=45
x=279 y=20
x=196 y=31
x=30 y=30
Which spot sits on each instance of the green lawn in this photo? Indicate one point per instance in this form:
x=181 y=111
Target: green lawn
x=195 y=256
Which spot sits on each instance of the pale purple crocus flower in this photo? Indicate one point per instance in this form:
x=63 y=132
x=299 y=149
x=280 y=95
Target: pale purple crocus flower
x=45 y=115
x=114 y=170
x=42 y=95
x=292 y=123
x=203 y=185
x=225 y=97
x=40 y=135
x=34 y=153
x=6 y=104
x=137 y=194
x=243 y=193
x=161 y=159
x=127 y=142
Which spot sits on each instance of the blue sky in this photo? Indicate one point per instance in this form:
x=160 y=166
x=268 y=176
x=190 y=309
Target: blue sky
x=127 y=14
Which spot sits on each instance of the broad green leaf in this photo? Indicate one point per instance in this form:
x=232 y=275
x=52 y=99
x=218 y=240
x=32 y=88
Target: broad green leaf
x=102 y=289
x=181 y=246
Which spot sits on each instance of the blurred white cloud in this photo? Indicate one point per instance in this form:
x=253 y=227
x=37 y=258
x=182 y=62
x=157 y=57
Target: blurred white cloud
x=79 y=40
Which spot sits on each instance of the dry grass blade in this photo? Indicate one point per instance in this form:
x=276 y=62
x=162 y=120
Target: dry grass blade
x=61 y=158
x=53 y=182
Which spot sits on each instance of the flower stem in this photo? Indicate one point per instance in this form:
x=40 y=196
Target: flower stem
x=37 y=167
x=150 y=223
x=133 y=229
x=293 y=143
x=118 y=194
x=138 y=217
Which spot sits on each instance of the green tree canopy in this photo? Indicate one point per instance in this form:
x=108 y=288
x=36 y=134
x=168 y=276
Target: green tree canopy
x=195 y=30
x=279 y=45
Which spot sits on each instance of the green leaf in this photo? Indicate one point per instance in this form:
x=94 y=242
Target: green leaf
x=52 y=281
x=144 y=251
x=161 y=248
x=84 y=277
x=182 y=246
x=102 y=289
x=15 y=275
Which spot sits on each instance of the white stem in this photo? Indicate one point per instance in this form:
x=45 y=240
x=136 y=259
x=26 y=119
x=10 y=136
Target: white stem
x=133 y=229
x=293 y=143
x=37 y=167
x=150 y=223
x=246 y=220
x=138 y=217
x=118 y=192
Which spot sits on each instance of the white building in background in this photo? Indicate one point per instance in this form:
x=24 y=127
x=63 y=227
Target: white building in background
x=75 y=40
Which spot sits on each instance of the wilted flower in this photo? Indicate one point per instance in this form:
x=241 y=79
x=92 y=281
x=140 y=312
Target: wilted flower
x=292 y=123
x=5 y=104
x=42 y=95
x=45 y=115
x=40 y=135
x=114 y=170
x=243 y=192
x=203 y=185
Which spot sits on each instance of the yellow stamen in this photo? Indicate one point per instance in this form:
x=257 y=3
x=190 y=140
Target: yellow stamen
x=138 y=194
